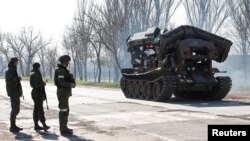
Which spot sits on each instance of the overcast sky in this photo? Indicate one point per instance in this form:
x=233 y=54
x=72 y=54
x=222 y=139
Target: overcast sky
x=49 y=16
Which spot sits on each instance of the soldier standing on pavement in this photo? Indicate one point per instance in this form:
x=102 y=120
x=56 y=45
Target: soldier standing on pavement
x=38 y=96
x=64 y=82
x=14 y=91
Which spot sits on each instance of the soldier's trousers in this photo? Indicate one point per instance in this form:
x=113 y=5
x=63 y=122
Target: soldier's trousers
x=38 y=112
x=64 y=111
x=15 y=107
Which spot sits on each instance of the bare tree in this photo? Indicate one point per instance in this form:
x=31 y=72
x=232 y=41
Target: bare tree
x=97 y=48
x=4 y=52
x=108 y=63
x=164 y=10
x=84 y=30
x=32 y=42
x=3 y=64
x=103 y=24
x=141 y=11
x=122 y=18
x=246 y=9
x=18 y=49
x=70 y=44
x=41 y=56
x=240 y=33
x=3 y=47
x=96 y=34
x=51 y=57
x=209 y=15
x=94 y=62
x=148 y=13
x=108 y=26
x=113 y=23
x=24 y=45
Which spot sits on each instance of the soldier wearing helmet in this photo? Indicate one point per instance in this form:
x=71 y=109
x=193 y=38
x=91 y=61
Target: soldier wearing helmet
x=64 y=82
x=14 y=91
x=38 y=96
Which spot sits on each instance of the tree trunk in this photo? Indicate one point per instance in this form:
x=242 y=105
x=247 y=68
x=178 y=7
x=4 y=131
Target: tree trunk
x=81 y=74
x=80 y=70
x=116 y=74
x=94 y=73
x=50 y=73
x=85 y=71
x=44 y=74
x=116 y=67
x=21 y=68
x=109 y=76
x=99 y=71
x=28 y=67
x=157 y=12
x=99 y=63
x=42 y=61
x=245 y=66
x=74 y=67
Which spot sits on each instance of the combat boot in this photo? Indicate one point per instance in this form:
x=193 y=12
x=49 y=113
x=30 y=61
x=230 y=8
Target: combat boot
x=14 y=124
x=13 y=128
x=37 y=127
x=66 y=132
x=45 y=127
x=68 y=129
x=19 y=128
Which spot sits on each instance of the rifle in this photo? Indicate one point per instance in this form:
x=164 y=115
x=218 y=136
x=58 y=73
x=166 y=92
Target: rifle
x=45 y=96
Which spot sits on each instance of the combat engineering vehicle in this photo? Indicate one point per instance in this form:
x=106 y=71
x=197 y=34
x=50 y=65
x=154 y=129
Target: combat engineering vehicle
x=175 y=62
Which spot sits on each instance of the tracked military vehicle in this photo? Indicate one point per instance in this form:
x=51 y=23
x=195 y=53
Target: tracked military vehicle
x=176 y=62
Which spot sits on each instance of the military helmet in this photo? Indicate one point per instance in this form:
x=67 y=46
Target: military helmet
x=14 y=59
x=36 y=65
x=64 y=58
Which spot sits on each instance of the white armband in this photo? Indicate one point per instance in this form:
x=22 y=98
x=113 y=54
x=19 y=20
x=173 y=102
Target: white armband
x=60 y=76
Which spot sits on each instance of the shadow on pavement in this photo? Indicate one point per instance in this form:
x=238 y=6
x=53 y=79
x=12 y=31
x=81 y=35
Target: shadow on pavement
x=49 y=135
x=208 y=103
x=23 y=136
x=76 y=138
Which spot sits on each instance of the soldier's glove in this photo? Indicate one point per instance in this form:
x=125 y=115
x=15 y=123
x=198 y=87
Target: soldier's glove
x=20 y=78
x=72 y=78
x=73 y=85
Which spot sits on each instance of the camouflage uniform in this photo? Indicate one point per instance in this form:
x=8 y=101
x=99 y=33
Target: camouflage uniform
x=14 y=91
x=38 y=96
x=63 y=81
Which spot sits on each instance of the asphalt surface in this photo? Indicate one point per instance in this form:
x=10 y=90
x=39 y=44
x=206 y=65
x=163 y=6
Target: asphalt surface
x=103 y=114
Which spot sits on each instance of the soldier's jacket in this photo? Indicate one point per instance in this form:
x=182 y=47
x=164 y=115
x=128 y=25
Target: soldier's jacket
x=36 y=82
x=13 y=85
x=64 y=81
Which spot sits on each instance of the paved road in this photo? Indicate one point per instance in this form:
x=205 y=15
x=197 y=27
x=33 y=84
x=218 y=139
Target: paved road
x=105 y=115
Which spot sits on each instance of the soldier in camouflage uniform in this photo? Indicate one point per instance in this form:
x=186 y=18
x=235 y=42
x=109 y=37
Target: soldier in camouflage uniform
x=38 y=96
x=14 y=91
x=64 y=82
